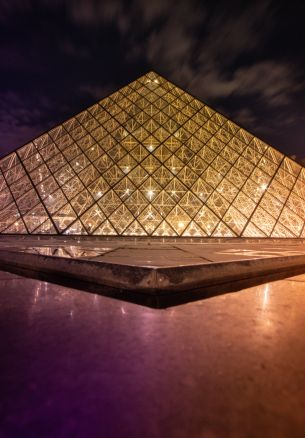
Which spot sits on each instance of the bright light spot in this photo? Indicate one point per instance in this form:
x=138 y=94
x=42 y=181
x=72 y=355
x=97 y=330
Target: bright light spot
x=150 y=148
x=264 y=186
x=181 y=225
x=99 y=194
x=150 y=194
x=156 y=81
x=77 y=163
x=127 y=168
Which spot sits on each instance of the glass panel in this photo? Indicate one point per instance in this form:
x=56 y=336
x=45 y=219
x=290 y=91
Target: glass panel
x=8 y=215
x=218 y=204
x=235 y=220
x=244 y=204
x=190 y=204
x=17 y=227
x=54 y=201
x=149 y=219
x=35 y=217
x=64 y=217
x=193 y=230
x=27 y=201
x=72 y=187
x=92 y=218
x=206 y=220
x=178 y=220
x=14 y=174
x=82 y=201
x=263 y=220
x=6 y=197
x=291 y=221
x=121 y=218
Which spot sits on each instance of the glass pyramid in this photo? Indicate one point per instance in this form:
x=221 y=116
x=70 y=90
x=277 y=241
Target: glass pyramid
x=151 y=160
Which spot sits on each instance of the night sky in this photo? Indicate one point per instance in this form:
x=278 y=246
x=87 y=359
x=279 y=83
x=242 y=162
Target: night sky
x=59 y=57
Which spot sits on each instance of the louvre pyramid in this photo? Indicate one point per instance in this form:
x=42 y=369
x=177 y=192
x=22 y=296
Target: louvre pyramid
x=151 y=160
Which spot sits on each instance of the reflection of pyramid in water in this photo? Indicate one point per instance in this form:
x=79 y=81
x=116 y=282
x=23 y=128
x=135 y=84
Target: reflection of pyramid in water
x=151 y=160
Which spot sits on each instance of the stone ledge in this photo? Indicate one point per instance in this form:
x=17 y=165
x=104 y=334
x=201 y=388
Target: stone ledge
x=154 y=281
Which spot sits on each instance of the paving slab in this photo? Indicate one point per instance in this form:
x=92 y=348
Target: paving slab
x=159 y=269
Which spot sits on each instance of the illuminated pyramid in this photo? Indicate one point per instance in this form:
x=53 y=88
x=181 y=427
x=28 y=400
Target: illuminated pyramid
x=151 y=160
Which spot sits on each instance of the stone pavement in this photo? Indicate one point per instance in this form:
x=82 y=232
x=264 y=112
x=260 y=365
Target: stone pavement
x=79 y=364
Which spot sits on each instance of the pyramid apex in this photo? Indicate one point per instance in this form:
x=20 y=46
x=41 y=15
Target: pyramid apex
x=152 y=74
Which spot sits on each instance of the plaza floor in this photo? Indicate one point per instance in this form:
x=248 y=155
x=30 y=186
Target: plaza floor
x=81 y=364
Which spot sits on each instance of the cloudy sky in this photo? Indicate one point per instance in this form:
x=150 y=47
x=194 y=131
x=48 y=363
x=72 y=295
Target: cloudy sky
x=58 y=57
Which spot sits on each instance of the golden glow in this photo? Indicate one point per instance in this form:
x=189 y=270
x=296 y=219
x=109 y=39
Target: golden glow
x=151 y=160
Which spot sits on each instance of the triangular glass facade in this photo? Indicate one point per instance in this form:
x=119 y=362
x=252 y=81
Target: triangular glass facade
x=151 y=160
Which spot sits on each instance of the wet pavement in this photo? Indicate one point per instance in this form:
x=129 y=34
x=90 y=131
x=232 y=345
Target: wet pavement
x=77 y=364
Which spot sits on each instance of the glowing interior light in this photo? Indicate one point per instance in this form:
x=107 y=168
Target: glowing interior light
x=127 y=191
x=99 y=194
x=150 y=194
x=77 y=163
x=181 y=225
x=156 y=81
x=127 y=168
x=150 y=148
x=264 y=186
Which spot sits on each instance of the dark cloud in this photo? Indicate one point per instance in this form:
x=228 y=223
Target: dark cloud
x=19 y=120
x=96 y=91
x=271 y=81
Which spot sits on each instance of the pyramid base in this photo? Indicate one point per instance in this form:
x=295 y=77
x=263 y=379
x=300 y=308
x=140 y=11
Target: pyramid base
x=153 y=273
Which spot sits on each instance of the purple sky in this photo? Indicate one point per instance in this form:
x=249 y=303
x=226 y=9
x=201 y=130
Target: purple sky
x=58 y=57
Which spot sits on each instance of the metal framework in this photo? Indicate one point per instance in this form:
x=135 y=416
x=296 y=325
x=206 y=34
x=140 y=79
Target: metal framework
x=151 y=160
